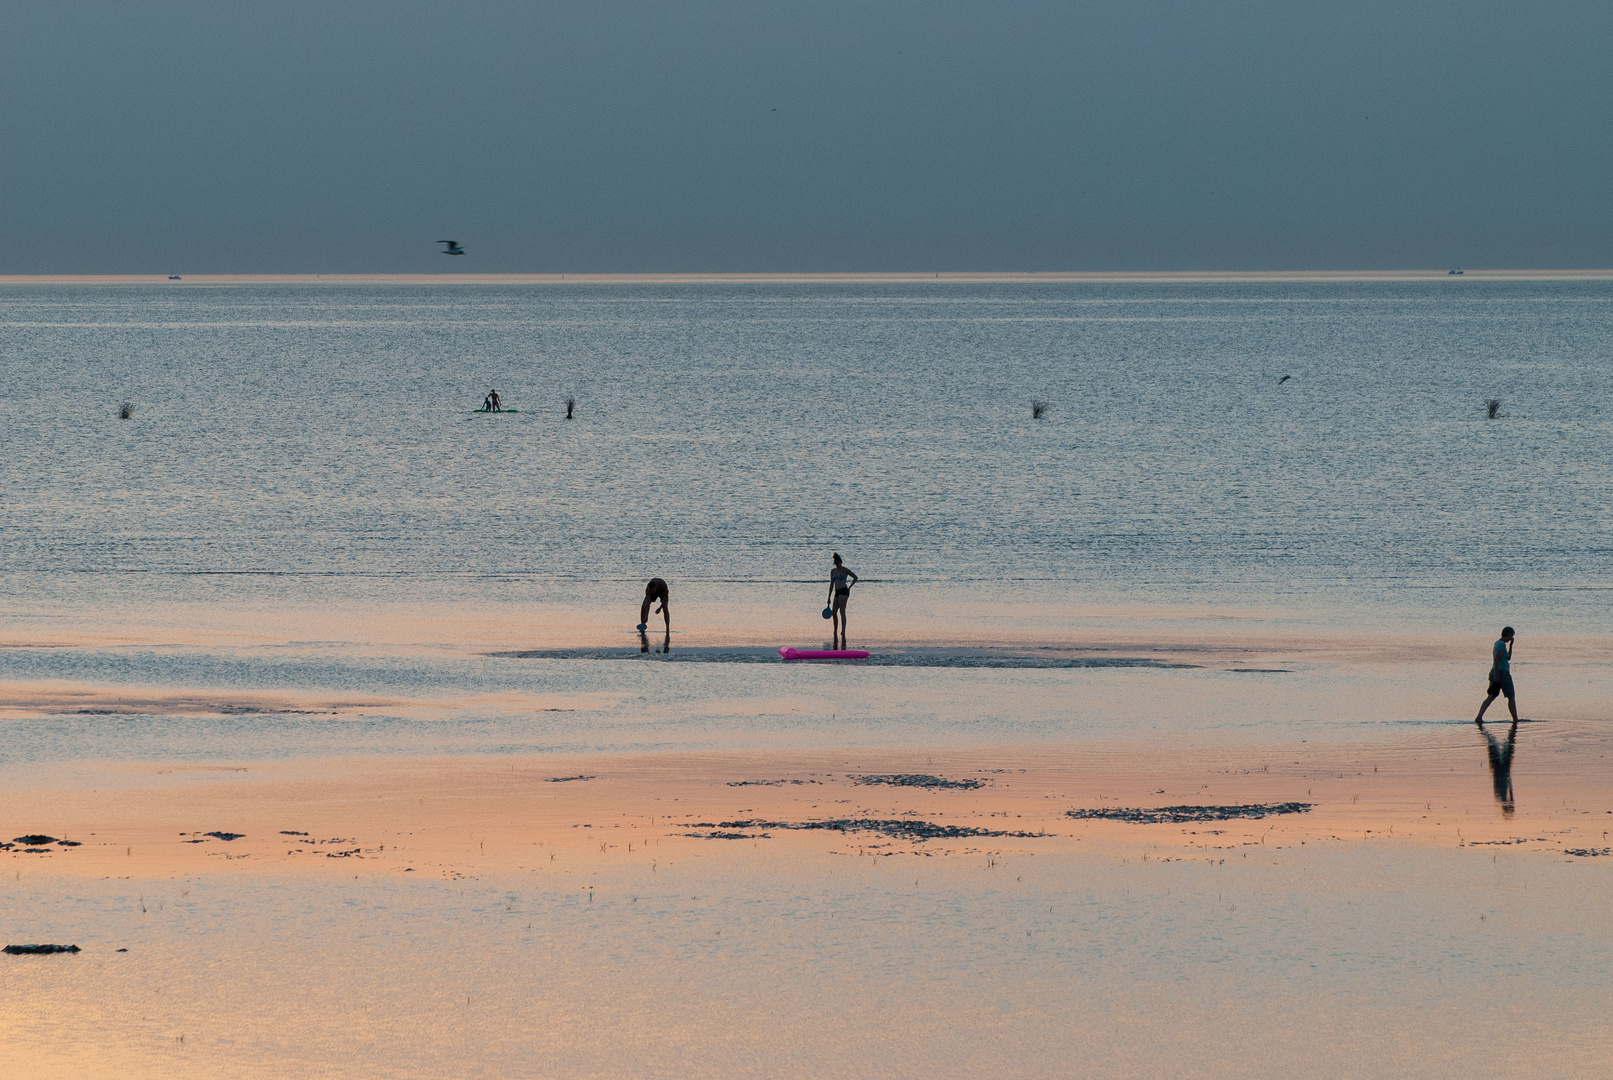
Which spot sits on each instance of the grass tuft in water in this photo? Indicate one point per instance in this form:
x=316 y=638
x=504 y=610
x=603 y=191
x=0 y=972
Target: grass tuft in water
x=1037 y=409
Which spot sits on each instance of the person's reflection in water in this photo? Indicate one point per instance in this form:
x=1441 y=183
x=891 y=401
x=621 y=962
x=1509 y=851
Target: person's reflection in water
x=1501 y=765
x=644 y=642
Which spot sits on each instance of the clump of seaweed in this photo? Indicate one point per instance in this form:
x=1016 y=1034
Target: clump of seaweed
x=920 y=780
x=1037 y=409
x=1492 y=407
x=916 y=831
x=1175 y=814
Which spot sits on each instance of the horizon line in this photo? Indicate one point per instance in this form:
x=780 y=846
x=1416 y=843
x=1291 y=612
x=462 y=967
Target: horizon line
x=829 y=277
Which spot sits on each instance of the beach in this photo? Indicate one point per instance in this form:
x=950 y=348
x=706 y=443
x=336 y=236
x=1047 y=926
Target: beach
x=1216 y=900
x=332 y=748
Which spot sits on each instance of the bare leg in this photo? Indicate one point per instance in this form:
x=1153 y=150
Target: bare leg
x=644 y=612
x=1487 y=701
x=1512 y=704
x=666 y=613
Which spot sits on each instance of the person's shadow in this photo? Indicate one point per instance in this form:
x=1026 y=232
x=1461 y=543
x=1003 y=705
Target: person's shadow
x=1501 y=766
x=644 y=643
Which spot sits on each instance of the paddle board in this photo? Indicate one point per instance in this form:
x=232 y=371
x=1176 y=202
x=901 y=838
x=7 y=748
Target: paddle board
x=498 y=411
x=791 y=653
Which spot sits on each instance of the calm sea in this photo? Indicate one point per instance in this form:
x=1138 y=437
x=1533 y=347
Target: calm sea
x=1321 y=448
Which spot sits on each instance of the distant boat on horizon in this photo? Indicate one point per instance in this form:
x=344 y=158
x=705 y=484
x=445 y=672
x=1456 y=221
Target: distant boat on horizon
x=173 y=277
x=1455 y=272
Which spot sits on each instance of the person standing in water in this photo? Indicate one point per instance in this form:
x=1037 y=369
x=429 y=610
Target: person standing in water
x=841 y=579
x=492 y=397
x=655 y=590
x=1501 y=676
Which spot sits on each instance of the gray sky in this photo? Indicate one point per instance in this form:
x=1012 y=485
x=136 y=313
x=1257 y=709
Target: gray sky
x=144 y=137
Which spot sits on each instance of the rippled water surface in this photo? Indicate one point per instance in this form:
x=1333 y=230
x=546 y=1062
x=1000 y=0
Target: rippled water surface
x=313 y=448
x=737 y=431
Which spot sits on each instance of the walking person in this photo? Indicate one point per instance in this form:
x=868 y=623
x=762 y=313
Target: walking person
x=841 y=579
x=1501 y=675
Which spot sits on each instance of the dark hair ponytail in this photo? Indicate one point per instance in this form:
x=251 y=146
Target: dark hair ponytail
x=837 y=557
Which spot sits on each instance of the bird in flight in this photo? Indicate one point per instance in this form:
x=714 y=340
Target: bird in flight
x=453 y=247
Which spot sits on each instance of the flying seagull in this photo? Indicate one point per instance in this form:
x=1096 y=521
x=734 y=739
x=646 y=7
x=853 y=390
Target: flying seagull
x=453 y=247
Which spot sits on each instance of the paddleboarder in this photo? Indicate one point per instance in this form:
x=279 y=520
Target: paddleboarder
x=655 y=589
x=841 y=579
x=1501 y=675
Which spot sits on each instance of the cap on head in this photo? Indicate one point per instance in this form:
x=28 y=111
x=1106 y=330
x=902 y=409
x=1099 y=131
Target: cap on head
x=1507 y=631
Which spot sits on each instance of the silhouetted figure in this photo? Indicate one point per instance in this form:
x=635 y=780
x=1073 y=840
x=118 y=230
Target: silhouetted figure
x=1501 y=765
x=841 y=579
x=1501 y=676
x=487 y=403
x=655 y=589
x=492 y=397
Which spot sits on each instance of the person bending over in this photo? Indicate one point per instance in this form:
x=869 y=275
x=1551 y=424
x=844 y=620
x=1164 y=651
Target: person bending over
x=655 y=590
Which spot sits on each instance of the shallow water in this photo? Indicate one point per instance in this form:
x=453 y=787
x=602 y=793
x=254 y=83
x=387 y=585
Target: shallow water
x=299 y=453
x=857 y=967
x=739 y=431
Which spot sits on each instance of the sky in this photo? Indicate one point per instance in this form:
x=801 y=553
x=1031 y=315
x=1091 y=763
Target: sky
x=345 y=137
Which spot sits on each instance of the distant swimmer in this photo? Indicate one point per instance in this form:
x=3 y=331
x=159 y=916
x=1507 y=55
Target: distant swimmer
x=1501 y=676
x=841 y=579
x=453 y=247
x=655 y=590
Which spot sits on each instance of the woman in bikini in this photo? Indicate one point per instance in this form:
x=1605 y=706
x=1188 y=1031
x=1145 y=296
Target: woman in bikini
x=841 y=579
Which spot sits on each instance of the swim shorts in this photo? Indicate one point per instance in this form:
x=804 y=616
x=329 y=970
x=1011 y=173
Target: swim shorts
x=1501 y=683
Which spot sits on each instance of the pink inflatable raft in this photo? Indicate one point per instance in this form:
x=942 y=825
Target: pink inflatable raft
x=790 y=653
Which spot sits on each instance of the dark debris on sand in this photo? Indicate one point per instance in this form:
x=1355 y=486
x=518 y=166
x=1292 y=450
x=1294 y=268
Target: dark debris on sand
x=1587 y=852
x=1177 y=814
x=225 y=835
x=37 y=844
x=916 y=831
x=563 y=779
x=769 y=783
x=39 y=950
x=720 y=834
x=916 y=780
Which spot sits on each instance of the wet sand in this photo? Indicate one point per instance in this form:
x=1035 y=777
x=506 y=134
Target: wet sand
x=645 y=915
x=1249 y=850
x=579 y=814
